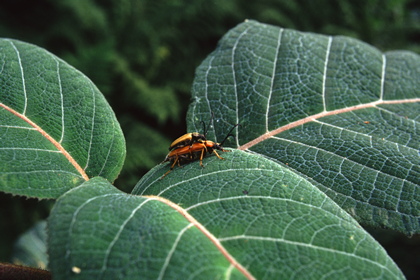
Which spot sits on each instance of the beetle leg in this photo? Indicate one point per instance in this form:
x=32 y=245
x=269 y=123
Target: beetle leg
x=172 y=167
x=202 y=156
x=177 y=160
x=218 y=154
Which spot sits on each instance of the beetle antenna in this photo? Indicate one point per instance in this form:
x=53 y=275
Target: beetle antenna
x=229 y=134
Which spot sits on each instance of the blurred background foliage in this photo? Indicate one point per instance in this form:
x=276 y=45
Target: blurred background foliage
x=142 y=56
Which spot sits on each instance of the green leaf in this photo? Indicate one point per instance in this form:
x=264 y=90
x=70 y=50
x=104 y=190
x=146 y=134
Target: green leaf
x=249 y=216
x=272 y=221
x=31 y=247
x=334 y=110
x=97 y=231
x=56 y=128
x=211 y=228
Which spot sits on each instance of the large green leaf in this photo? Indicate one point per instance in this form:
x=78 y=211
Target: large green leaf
x=334 y=110
x=251 y=215
x=99 y=232
x=223 y=221
x=56 y=128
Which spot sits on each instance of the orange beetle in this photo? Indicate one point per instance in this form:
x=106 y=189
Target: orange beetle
x=190 y=138
x=187 y=139
x=194 y=151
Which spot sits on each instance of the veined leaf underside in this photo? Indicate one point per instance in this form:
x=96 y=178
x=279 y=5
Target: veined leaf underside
x=54 y=122
x=327 y=107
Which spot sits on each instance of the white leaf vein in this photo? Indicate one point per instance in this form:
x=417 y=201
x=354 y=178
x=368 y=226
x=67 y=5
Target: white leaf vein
x=92 y=126
x=273 y=75
x=324 y=76
x=23 y=78
x=60 y=85
x=311 y=246
x=234 y=48
x=383 y=73
x=172 y=250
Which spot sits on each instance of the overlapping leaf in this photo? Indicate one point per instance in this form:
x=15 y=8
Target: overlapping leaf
x=56 y=128
x=99 y=232
x=31 y=247
x=336 y=111
x=265 y=212
x=223 y=221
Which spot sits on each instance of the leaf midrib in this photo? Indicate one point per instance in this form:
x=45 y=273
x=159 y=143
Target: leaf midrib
x=208 y=234
x=59 y=147
x=314 y=117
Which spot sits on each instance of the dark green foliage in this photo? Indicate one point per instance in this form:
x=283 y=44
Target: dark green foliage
x=142 y=55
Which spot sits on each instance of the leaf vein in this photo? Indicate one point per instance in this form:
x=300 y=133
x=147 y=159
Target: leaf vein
x=18 y=127
x=60 y=85
x=311 y=246
x=324 y=76
x=342 y=157
x=234 y=73
x=49 y=138
x=208 y=234
x=29 y=149
x=259 y=197
x=172 y=250
x=273 y=75
x=383 y=72
x=92 y=128
x=23 y=77
x=311 y=118
x=111 y=244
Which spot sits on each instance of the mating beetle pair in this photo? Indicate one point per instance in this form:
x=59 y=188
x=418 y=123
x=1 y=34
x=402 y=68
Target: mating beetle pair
x=193 y=146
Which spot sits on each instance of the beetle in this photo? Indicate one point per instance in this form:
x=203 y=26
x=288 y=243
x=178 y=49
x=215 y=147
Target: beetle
x=187 y=140
x=198 y=150
x=191 y=138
